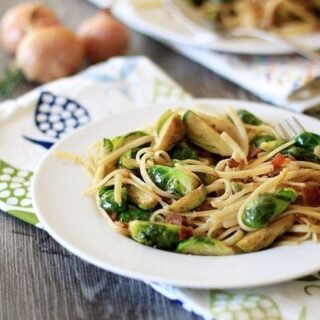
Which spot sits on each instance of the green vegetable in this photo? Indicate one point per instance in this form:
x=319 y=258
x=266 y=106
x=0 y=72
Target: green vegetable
x=173 y=180
x=301 y=154
x=107 y=145
x=308 y=141
x=267 y=143
x=11 y=78
x=286 y=194
x=265 y=207
x=204 y=136
x=182 y=152
x=154 y=234
x=190 y=201
x=206 y=178
x=163 y=118
x=258 y=140
x=257 y=240
x=249 y=118
x=304 y=147
x=120 y=141
x=107 y=202
x=143 y=199
x=170 y=133
x=127 y=159
x=271 y=145
x=133 y=213
x=204 y=246
x=236 y=187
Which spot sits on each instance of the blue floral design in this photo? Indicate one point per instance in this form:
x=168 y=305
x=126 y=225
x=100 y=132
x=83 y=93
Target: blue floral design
x=56 y=116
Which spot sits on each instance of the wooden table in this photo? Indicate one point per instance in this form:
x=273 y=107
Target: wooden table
x=41 y=280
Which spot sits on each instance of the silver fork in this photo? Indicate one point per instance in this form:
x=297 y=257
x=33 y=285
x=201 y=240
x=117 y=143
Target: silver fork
x=294 y=128
x=196 y=24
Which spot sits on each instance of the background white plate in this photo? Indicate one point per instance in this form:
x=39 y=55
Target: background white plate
x=157 y=23
x=75 y=223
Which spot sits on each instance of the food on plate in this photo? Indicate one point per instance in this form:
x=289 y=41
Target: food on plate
x=103 y=37
x=49 y=53
x=285 y=16
x=207 y=184
x=21 y=19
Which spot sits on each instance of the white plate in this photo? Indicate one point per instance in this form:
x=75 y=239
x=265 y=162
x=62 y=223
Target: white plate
x=75 y=223
x=157 y=23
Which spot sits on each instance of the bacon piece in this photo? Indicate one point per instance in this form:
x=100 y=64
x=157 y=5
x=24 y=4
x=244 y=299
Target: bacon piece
x=205 y=206
x=233 y=163
x=311 y=195
x=253 y=152
x=274 y=173
x=174 y=219
x=185 y=233
x=220 y=192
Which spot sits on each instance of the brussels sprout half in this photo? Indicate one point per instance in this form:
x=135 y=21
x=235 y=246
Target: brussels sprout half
x=182 y=152
x=173 y=180
x=301 y=154
x=204 y=136
x=170 y=132
x=190 y=201
x=107 y=201
x=204 y=246
x=127 y=159
x=154 y=234
x=267 y=143
x=120 y=141
x=257 y=240
x=132 y=213
x=265 y=207
x=308 y=141
x=143 y=199
x=249 y=118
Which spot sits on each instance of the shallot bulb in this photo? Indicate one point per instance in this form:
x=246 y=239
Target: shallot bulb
x=22 y=18
x=103 y=37
x=50 y=53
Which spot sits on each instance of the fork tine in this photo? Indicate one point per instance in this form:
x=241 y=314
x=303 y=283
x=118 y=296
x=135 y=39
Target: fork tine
x=283 y=131
x=298 y=123
x=295 y=132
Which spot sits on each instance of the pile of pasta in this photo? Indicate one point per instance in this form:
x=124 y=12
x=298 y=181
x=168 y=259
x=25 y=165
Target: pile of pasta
x=285 y=16
x=207 y=184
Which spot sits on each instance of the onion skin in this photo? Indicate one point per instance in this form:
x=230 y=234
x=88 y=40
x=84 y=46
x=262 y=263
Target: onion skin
x=103 y=37
x=22 y=18
x=50 y=53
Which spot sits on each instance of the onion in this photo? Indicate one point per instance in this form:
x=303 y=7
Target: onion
x=50 y=53
x=103 y=37
x=20 y=19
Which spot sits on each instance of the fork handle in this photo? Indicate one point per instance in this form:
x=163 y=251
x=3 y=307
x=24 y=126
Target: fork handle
x=276 y=39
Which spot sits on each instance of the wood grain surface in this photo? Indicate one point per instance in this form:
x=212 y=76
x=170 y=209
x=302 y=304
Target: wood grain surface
x=41 y=280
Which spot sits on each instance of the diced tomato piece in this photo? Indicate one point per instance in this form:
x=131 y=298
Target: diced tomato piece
x=311 y=195
x=279 y=160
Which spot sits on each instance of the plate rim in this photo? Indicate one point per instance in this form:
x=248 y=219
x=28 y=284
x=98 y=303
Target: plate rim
x=89 y=257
